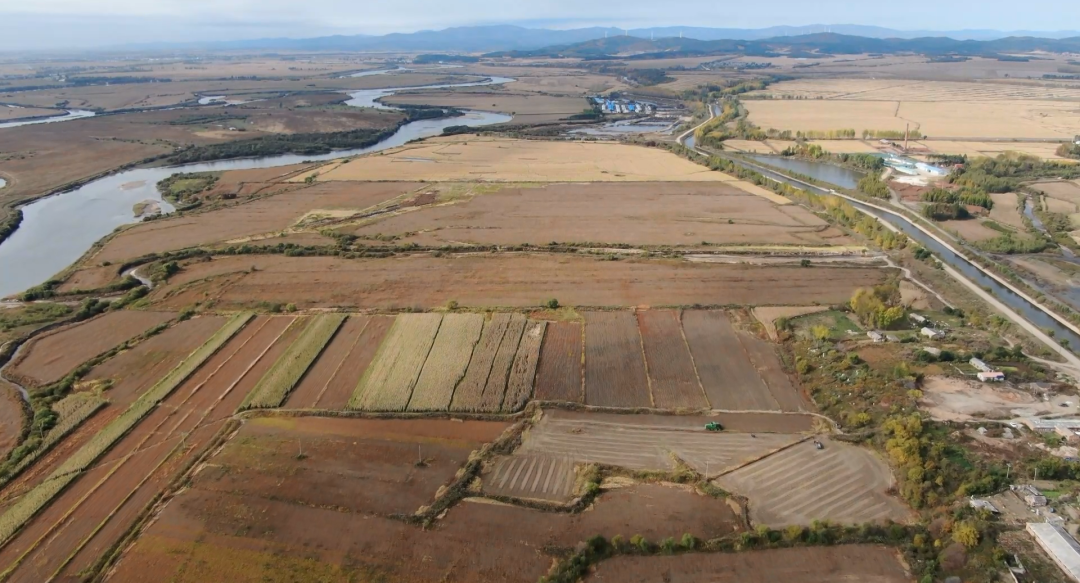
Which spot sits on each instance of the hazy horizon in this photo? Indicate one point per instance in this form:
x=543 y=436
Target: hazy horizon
x=70 y=24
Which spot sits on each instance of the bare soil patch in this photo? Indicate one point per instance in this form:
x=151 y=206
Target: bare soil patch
x=503 y=280
x=615 y=373
x=727 y=374
x=559 y=372
x=672 y=378
x=953 y=399
x=669 y=213
x=841 y=483
x=47 y=358
x=970 y=229
x=862 y=563
x=769 y=315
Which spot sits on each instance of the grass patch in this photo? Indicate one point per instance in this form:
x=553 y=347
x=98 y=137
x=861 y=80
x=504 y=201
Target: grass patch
x=279 y=381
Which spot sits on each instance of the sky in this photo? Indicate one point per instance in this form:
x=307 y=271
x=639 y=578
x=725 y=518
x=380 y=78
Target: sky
x=46 y=24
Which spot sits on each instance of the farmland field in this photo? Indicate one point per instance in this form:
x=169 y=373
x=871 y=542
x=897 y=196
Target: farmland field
x=333 y=378
x=614 y=363
x=559 y=372
x=12 y=418
x=840 y=483
x=446 y=364
x=522 y=376
x=861 y=563
x=279 y=381
x=639 y=213
x=524 y=280
x=724 y=367
x=47 y=358
x=503 y=160
x=388 y=383
x=672 y=377
x=769 y=315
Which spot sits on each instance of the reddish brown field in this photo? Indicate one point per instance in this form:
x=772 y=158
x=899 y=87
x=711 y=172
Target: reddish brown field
x=646 y=213
x=245 y=219
x=334 y=357
x=855 y=563
x=258 y=512
x=503 y=280
x=763 y=356
x=12 y=418
x=92 y=514
x=727 y=375
x=559 y=372
x=47 y=358
x=614 y=365
x=672 y=376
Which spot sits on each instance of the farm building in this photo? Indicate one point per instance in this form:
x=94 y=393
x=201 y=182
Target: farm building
x=917 y=318
x=1070 y=436
x=979 y=364
x=932 y=350
x=876 y=336
x=1060 y=545
x=1048 y=425
x=932 y=334
x=991 y=376
x=983 y=504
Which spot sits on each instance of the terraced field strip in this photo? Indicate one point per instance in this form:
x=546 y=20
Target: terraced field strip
x=388 y=383
x=840 y=483
x=764 y=358
x=559 y=373
x=88 y=479
x=495 y=388
x=636 y=445
x=447 y=363
x=470 y=391
x=36 y=499
x=185 y=433
x=729 y=378
x=340 y=388
x=672 y=376
x=520 y=386
x=276 y=384
x=313 y=384
x=537 y=476
x=614 y=363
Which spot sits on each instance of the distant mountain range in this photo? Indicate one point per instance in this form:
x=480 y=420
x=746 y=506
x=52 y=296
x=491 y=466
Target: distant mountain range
x=485 y=39
x=802 y=45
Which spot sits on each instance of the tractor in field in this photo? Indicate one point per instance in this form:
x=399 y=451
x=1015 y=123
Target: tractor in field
x=713 y=426
x=818 y=444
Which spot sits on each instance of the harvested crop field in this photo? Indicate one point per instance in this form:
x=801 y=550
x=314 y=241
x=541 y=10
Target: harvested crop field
x=388 y=383
x=506 y=160
x=95 y=511
x=841 y=483
x=1006 y=210
x=645 y=442
x=648 y=213
x=855 y=563
x=503 y=280
x=672 y=377
x=446 y=364
x=334 y=376
x=256 y=511
x=49 y=357
x=522 y=376
x=728 y=375
x=264 y=216
x=287 y=370
x=615 y=373
x=970 y=229
x=559 y=372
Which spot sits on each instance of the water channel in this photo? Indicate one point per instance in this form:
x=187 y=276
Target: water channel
x=57 y=230
x=838 y=175
x=70 y=115
x=827 y=172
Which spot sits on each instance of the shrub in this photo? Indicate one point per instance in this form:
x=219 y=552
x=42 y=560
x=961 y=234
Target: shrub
x=552 y=304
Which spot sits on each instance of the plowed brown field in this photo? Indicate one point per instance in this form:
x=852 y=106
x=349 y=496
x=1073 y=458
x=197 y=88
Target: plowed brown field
x=47 y=358
x=855 y=563
x=672 y=376
x=727 y=375
x=558 y=374
x=523 y=280
x=339 y=389
x=314 y=384
x=97 y=509
x=764 y=358
x=614 y=365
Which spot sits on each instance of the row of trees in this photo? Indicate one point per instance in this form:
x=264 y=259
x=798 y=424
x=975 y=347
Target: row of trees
x=964 y=196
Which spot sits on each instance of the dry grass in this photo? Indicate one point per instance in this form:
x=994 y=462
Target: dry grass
x=279 y=381
x=970 y=229
x=387 y=384
x=522 y=374
x=469 y=395
x=1005 y=210
x=769 y=315
x=525 y=107
x=1045 y=150
x=447 y=363
x=495 y=388
x=506 y=160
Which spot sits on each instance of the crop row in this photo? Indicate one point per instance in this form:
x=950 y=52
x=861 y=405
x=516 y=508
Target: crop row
x=279 y=381
x=37 y=498
x=520 y=386
x=447 y=363
x=388 y=383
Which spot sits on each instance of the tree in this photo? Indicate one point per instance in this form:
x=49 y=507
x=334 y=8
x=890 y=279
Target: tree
x=966 y=534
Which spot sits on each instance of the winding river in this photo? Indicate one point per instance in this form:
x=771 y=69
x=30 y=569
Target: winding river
x=70 y=115
x=57 y=230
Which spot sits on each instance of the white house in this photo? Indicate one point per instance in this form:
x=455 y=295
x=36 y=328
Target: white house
x=979 y=364
x=993 y=376
x=932 y=333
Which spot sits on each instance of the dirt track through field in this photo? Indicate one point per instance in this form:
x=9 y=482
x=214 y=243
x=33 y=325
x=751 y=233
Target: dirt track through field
x=97 y=509
x=840 y=483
